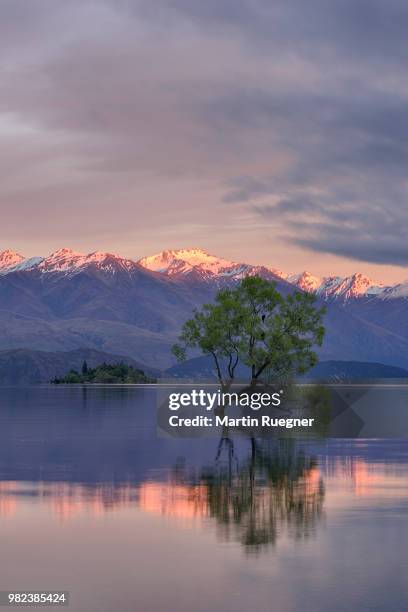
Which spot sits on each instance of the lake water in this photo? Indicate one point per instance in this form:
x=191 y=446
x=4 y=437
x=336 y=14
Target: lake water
x=94 y=503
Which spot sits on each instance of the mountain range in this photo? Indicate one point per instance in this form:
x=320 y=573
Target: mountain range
x=197 y=263
x=101 y=301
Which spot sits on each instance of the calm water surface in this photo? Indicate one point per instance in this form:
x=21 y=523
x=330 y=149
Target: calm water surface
x=93 y=502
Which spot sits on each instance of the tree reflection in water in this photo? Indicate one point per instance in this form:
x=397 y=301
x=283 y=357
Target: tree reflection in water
x=277 y=489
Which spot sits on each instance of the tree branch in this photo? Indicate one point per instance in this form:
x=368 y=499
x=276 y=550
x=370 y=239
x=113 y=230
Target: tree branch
x=217 y=365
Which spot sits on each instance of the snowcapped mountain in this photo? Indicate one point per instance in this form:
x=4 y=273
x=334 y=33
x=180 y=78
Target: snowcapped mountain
x=305 y=281
x=353 y=286
x=198 y=263
x=399 y=290
x=70 y=262
x=181 y=261
x=337 y=287
x=65 y=261
x=25 y=264
x=8 y=260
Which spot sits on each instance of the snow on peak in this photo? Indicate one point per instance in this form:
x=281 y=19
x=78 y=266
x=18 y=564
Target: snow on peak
x=198 y=263
x=396 y=291
x=305 y=281
x=337 y=287
x=195 y=261
x=69 y=261
x=8 y=259
x=356 y=285
x=26 y=264
x=65 y=261
x=61 y=260
x=181 y=261
x=108 y=261
x=64 y=252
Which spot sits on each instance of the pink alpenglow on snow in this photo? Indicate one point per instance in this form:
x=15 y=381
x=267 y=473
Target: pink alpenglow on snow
x=197 y=264
x=69 y=262
x=9 y=259
x=306 y=281
x=188 y=261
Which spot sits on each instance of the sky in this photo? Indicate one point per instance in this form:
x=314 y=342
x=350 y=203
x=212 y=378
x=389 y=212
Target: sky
x=271 y=132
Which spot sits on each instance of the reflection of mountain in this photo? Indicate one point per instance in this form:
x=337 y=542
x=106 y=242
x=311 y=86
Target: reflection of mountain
x=70 y=453
x=174 y=499
x=251 y=500
x=67 y=500
x=254 y=500
x=109 y=434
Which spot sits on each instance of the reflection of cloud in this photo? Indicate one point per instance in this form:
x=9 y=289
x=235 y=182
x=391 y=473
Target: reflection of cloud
x=8 y=504
x=67 y=500
x=252 y=501
x=365 y=479
x=174 y=500
x=180 y=500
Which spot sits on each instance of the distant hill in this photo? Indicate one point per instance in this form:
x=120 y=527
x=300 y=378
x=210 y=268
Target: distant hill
x=354 y=370
x=24 y=366
x=203 y=368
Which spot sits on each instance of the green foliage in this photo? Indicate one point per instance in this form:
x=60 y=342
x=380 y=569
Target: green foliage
x=119 y=373
x=71 y=377
x=254 y=324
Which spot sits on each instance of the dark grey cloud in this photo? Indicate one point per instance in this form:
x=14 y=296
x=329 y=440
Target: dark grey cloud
x=354 y=228
x=354 y=245
x=350 y=155
x=375 y=29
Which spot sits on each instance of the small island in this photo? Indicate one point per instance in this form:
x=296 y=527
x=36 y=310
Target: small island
x=105 y=373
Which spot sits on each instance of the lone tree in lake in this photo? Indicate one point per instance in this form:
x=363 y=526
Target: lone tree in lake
x=253 y=324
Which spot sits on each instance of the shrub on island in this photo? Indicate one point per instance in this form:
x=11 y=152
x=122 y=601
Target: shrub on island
x=105 y=373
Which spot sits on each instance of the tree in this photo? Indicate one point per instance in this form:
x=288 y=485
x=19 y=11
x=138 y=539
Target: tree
x=118 y=373
x=215 y=330
x=254 y=324
x=84 y=368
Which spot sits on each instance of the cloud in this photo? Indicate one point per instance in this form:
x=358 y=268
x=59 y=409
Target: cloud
x=348 y=173
x=292 y=115
x=355 y=245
